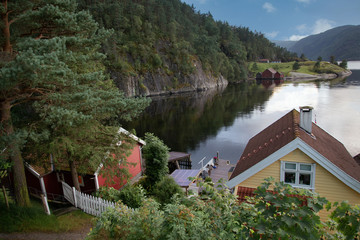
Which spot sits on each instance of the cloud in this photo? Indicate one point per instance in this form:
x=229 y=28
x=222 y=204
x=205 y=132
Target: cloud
x=303 y=1
x=269 y=7
x=297 y=37
x=302 y=28
x=322 y=25
x=272 y=34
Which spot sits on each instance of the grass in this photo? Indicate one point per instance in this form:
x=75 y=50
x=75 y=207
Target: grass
x=34 y=219
x=305 y=67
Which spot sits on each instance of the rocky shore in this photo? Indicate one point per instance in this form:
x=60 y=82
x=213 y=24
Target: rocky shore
x=295 y=76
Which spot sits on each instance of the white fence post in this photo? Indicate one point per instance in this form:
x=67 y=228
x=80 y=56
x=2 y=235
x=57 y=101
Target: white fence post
x=74 y=194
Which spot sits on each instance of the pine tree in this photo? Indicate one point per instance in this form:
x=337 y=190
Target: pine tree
x=54 y=64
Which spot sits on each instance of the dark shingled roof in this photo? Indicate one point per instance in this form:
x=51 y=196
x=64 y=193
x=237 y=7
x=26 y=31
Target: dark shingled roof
x=286 y=129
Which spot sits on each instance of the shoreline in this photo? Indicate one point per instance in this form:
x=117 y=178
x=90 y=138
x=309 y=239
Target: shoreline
x=295 y=76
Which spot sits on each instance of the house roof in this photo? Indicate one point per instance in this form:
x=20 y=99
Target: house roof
x=174 y=156
x=271 y=70
x=284 y=131
x=181 y=176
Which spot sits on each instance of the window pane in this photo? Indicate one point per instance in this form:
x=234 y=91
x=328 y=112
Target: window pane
x=290 y=166
x=305 y=179
x=305 y=167
x=290 y=177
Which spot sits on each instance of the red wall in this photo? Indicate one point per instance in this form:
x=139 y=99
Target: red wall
x=267 y=74
x=135 y=157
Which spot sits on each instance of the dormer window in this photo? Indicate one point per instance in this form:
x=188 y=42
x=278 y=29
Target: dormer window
x=300 y=175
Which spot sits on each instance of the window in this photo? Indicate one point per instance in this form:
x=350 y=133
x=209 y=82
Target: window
x=300 y=175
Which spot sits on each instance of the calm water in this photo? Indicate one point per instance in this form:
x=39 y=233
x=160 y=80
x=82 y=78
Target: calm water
x=225 y=119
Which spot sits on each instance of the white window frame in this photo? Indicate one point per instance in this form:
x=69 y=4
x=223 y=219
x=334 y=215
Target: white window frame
x=297 y=172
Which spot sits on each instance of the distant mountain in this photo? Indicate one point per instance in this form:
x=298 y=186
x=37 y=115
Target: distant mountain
x=342 y=42
x=285 y=44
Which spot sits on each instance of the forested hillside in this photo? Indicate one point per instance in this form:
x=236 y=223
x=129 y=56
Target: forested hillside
x=341 y=42
x=165 y=45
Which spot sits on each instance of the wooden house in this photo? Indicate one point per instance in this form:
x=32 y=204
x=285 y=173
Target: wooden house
x=46 y=179
x=298 y=152
x=264 y=60
x=278 y=76
x=268 y=73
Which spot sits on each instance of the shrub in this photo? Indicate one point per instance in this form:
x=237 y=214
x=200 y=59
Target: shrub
x=132 y=196
x=164 y=190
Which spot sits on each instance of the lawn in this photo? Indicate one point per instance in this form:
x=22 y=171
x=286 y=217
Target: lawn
x=34 y=219
x=305 y=67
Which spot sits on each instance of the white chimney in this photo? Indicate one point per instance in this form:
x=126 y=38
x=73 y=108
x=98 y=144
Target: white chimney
x=306 y=118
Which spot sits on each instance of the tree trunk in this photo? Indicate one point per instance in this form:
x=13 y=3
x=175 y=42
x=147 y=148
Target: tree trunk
x=74 y=175
x=20 y=186
x=5 y=196
x=6 y=29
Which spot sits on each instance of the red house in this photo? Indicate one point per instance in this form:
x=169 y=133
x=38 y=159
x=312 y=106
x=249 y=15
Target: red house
x=46 y=179
x=268 y=74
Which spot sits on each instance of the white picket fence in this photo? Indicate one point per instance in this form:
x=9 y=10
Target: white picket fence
x=89 y=204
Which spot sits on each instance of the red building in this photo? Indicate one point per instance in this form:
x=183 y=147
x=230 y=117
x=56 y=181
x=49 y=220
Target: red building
x=47 y=179
x=268 y=74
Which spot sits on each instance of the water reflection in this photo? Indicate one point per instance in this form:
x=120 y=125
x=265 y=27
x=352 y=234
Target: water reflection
x=183 y=122
x=224 y=120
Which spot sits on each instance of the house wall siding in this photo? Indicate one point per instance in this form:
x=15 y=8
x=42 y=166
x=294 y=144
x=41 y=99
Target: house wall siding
x=326 y=184
x=134 y=170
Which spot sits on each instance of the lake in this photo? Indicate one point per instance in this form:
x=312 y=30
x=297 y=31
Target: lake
x=223 y=120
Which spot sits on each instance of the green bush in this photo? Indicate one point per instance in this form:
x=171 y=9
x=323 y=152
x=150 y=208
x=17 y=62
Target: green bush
x=130 y=195
x=164 y=190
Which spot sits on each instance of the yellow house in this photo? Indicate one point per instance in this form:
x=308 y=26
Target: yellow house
x=298 y=152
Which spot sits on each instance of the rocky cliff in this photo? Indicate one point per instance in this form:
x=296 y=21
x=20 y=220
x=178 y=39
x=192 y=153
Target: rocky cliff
x=158 y=83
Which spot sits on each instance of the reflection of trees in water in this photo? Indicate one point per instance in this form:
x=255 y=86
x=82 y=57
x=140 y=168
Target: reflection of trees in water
x=183 y=121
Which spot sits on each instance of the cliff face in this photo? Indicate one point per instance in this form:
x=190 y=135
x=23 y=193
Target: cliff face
x=158 y=83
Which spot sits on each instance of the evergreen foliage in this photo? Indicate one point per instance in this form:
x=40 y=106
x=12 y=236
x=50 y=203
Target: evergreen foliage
x=53 y=66
x=156 y=155
x=173 y=39
x=296 y=66
x=343 y=64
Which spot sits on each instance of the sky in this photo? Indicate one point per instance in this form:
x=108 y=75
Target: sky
x=283 y=19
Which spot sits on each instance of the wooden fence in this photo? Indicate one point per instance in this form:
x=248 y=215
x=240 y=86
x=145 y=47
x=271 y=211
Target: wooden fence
x=89 y=204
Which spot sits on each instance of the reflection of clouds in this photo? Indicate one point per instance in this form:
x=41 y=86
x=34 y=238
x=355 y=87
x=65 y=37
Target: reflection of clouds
x=339 y=115
x=288 y=97
x=337 y=112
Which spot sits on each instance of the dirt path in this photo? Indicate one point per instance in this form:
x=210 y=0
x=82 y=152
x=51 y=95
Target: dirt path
x=78 y=235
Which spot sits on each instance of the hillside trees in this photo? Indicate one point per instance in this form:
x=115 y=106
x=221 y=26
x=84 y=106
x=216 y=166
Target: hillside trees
x=52 y=66
x=177 y=35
